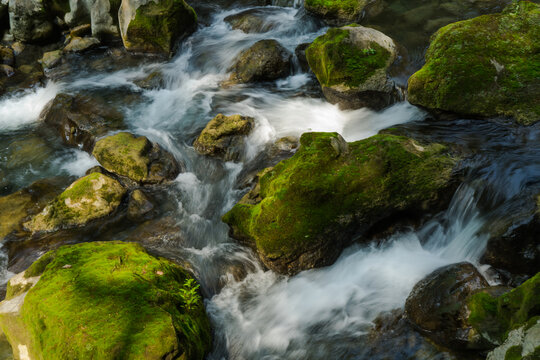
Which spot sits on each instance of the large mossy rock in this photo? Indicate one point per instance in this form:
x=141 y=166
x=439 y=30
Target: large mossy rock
x=486 y=66
x=223 y=136
x=103 y=300
x=91 y=197
x=522 y=343
x=306 y=209
x=154 y=26
x=136 y=158
x=266 y=60
x=352 y=64
x=342 y=12
x=80 y=119
x=436 y=305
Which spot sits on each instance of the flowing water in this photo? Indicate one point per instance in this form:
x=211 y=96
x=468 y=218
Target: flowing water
x=319 y=314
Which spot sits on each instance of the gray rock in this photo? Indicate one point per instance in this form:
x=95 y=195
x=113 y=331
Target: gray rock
x=254 y=20
x=29 y=21
x=101 y=13
x=78 y=44
x=522 y=343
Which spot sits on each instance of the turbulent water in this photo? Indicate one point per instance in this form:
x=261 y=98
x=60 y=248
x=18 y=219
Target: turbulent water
x=318 y=314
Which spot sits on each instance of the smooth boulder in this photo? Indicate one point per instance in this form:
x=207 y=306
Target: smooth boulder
x=485 y=67
x=223 y=137
x=306 y=209
x=352 y=65
x=80 y=119
x=104 y=300
x=89 y=198
x=136 y=158
x=154 y=26
x=257 y=20
x=266 y=60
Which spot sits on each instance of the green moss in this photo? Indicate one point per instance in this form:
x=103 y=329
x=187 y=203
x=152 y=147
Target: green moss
x=336 y=60
x=38 y=267
x=497 y=316
x=124 y=154
x=157 y=25
x=329 y=184
x=345 y=9
x=513 y=353
x=114 y=301
x=487 y=66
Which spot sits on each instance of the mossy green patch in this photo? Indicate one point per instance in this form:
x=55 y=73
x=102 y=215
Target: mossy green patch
x=486 y=66
x=346 y=10
x=329 y=184
x=336 y=60
x=112 y=300
x=494 y=317
x=91 y=197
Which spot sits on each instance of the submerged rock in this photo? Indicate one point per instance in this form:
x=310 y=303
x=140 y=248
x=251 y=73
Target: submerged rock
x=89 y=198
x=352 y=64
x=154 y=26
x=136 y=158
x=80 y=119
x=266 y=60
x=306 y=209
x=254 y=20
x=106 y=300
x=140 y=206
x=436 y=305
x=486 y=66
x=342 y=12
x=223 y=137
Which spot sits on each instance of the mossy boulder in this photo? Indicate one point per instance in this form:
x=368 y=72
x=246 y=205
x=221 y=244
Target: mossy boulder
x=521 y=344
x=89 y=198
x=486 y=66
x=266 y=60
x=155 y=26
x=342 y=12
x=306 y=209
x=104 y=300
x=136 y=158
x=80 y=119
x=18 y=207
x=352 y=64
x=258 y=20
x=223 y=136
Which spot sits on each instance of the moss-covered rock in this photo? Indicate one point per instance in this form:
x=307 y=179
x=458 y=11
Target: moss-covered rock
x=155 y=26
x=89 y=198
x=258 y=20
x=351 y=64
x=80 y=119
x=521 y=344
x=266 y=60
x=104 y=300
x=307 y=208
x=223 y=136
x=30 y=21
x=342 y=12
x=136 y=158
x=486 y=66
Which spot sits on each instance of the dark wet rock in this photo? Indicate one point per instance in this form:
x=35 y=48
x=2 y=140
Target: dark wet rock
x=155 y=26
x=308 y=208
x=140 y=207
x=81 y=30
x=502 y=80
x=437 y=305
x=89 y=198
x=80 y=119
x=80 y=44
x=6 y=56
x=99 y=285
x=266 y=60
x=300 y=52
x=136 y=158
x=51 y=59
x=155 y=80
x=18 y=207
x=343 y=12
x=30 y=21
x=514 y=246
x=223 y=137
x=155 y=233
x=352 y=65
x=32 y=151
x=25 y=77
x=254 y=20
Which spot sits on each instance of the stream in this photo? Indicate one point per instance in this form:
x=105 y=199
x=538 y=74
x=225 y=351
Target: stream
x=326 y=313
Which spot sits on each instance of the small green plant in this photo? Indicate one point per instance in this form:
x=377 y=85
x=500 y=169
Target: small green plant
x=369 y=51
x=190 y=296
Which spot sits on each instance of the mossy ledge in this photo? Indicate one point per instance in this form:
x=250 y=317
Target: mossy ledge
x=107 y=300
x=486 y=66
x=312 y=205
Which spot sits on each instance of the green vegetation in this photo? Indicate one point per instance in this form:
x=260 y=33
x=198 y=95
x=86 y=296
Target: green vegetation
x=91 y=197
x=344 y=10
x=314 y=197
x=190 y=295
x=111 y=300
x=486 y=66
x=336 y=60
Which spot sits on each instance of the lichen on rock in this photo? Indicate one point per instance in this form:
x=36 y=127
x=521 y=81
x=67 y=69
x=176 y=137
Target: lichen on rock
x=486 y=66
